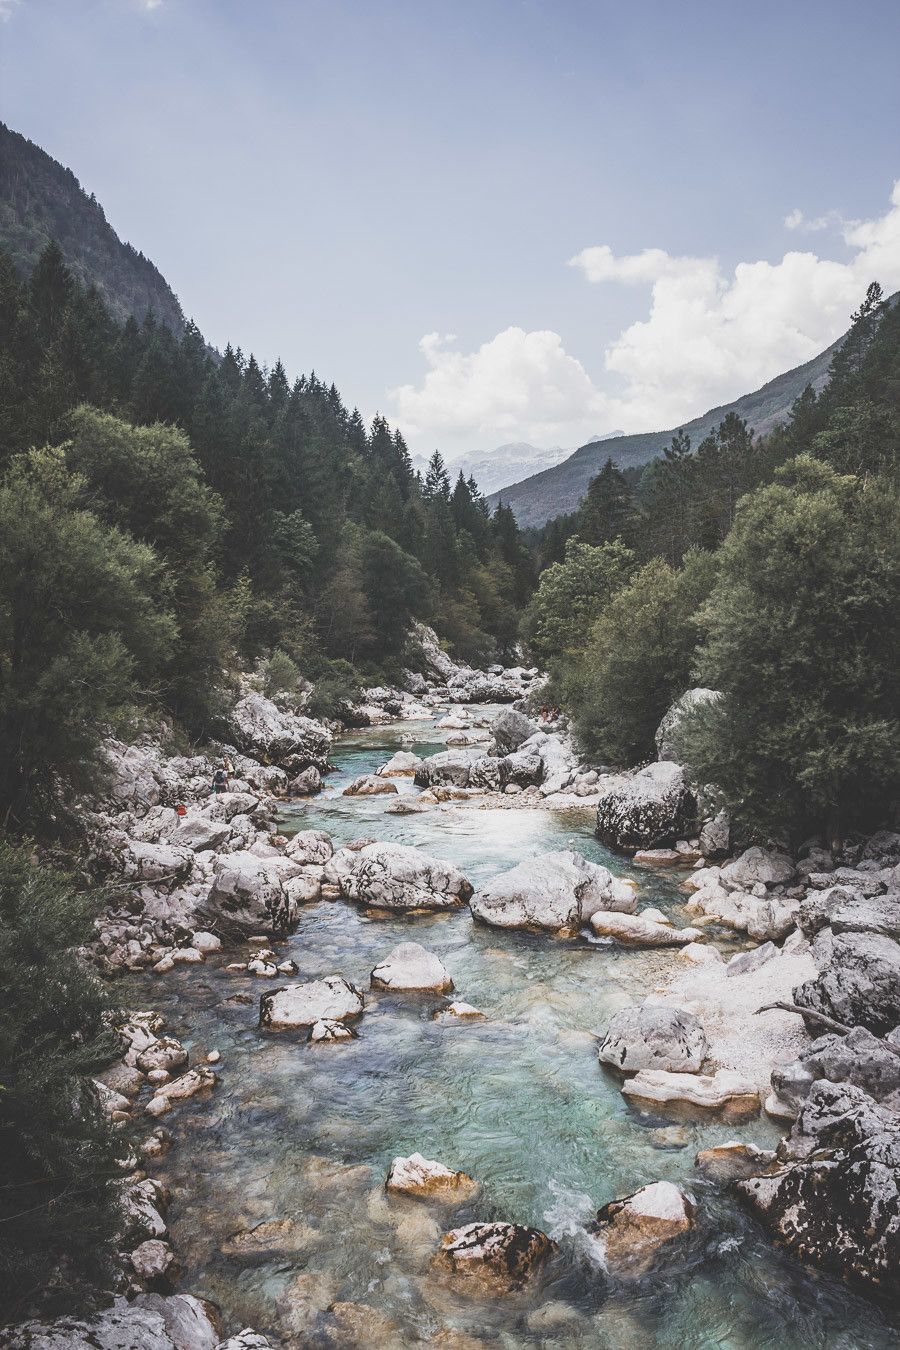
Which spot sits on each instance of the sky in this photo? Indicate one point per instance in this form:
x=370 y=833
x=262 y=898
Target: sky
x=491 y=220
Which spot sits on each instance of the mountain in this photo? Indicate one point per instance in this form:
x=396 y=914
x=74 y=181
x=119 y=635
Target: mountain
x=559 y=489
x=40 y=200
x=492 y=468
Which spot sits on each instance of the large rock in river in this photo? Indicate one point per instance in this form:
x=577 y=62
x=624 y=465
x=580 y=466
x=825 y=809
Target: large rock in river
x=654 y=1037
x=645 y=809
x=248 y=895
x=637 y=1230
x=510 y=729
x=836 y=1201
x=502 y=1255
x=555 y=892
x=331 y=999
x=634 y=930
x=396 y=876
x=426 y=1180
x=409 y=966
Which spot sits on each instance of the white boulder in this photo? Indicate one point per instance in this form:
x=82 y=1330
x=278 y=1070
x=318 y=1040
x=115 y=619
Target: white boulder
x=409 y=966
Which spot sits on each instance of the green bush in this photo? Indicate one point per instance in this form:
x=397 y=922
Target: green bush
x=280 y=675
x=570 y=596
x=336 y=688
x=802 y=638
x=638 y=659
x=59 y=1215
x=82 y=631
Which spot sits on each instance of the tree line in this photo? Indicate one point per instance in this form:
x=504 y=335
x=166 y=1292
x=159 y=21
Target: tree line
x=166 y=513
x=766 y=568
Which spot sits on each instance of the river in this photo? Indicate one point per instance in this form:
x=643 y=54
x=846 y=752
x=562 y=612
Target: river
x=518 y=1101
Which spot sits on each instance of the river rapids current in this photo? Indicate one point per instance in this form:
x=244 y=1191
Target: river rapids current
x=518 y=1101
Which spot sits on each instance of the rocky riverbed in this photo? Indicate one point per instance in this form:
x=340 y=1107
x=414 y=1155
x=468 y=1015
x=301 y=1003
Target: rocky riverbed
x=360 y=1072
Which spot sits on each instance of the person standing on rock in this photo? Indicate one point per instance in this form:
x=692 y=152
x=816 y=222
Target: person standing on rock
x=220 y=778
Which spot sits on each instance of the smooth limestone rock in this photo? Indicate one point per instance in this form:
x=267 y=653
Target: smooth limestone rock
x=554 y=892
x=179 y=1089
x=836 y=1200
x=500 y=1255
x=458 y=1011
x=396 y=876
x=410 y=967
x=721 y=1090
x=736 y=1158
x=844 y=909
x=248 y=895
x=765 y=919
x=332 y=999
x=401 y=765
x=698 y=954
x=633 y=930
x=636 y=1232
x=658 y=857
x=327 y=1030
x=261 y=729
x=370 y=785
x=646 y=809
x=509 y=730
x=427 y=1180
x=654 y=1037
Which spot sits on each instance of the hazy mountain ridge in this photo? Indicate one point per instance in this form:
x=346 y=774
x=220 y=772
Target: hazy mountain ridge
x=559 y=489
x=40 y=200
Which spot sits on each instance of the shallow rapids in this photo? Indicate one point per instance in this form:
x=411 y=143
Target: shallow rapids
x=304 y=1132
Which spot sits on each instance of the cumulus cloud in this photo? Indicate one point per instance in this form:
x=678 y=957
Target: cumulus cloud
x=708 y=336
x=518 y=382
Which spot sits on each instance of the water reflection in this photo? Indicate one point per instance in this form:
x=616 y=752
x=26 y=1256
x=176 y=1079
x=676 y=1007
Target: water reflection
x=305 y=1134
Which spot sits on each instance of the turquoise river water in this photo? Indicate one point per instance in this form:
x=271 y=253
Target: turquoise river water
x=518 y=1101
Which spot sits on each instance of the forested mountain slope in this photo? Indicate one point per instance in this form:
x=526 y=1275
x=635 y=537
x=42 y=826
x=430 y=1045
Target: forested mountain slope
x=41 y=200
x=558 y=490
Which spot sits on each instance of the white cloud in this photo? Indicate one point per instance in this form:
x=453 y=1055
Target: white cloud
x=518 y=382
x=6 y=9
x=709 y=336
x=796 y=220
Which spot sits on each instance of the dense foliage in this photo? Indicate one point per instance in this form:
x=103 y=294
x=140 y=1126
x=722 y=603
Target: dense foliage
x=801 y=635
x=195 y=511
x=801 y=630
x=57 y=1156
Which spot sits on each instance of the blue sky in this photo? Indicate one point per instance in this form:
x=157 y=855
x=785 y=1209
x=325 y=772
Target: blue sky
x=554 y=196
